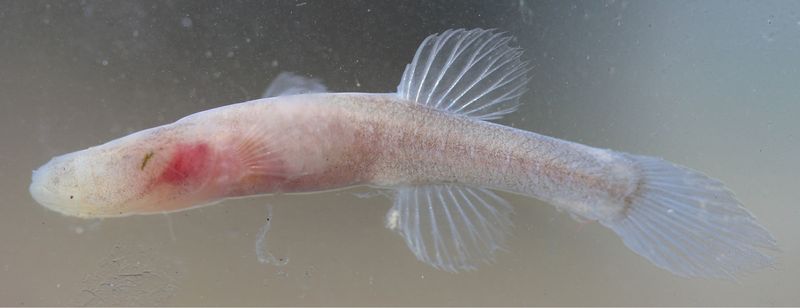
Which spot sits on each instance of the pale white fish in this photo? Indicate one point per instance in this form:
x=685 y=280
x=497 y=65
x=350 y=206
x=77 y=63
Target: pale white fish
x=430 y=143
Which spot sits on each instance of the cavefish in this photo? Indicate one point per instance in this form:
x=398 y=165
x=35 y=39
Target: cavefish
x=435 y=146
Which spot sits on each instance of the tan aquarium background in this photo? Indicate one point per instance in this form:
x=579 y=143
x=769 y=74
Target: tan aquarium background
x=714 y=85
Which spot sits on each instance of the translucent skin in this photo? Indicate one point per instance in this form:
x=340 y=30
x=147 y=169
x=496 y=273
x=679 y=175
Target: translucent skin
x=316 y=142
x=198 y=160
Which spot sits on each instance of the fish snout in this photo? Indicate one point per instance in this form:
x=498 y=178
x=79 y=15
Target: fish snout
x=41 y=187
x=54 y=186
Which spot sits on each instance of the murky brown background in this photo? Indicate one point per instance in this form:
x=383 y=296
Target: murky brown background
x=712 y=85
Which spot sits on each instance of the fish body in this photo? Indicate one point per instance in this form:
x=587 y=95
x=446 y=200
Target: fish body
x=431 y=143
x=329 y=141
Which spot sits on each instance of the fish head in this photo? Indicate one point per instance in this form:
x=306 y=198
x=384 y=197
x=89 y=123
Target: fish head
x=156 y=170
x=73 y=184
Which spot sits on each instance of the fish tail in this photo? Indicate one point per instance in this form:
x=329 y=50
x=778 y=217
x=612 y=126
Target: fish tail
x=690 y=224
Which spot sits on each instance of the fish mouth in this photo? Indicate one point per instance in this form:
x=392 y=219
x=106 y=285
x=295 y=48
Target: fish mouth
x=41 y=193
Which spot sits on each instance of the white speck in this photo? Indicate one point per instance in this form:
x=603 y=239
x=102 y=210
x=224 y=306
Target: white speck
x=79 y=230
x=104 y=62
x=358 y=84
x=274 y=63
x=58 y=286
x=209 y=54
x=670 y=211
x=217 y=74
x=247 y=40
x=135 y=33
x=186 y=22
x=301 y=4
x=46 y=21
x=392 y=219
x=369 y=194
x=230 y=54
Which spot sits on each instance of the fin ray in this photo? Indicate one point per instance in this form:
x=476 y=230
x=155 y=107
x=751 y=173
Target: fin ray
x=450 y=61
x=473 y=58
x=261 y=154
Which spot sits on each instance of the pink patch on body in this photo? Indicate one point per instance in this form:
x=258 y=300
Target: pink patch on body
x=186 y=163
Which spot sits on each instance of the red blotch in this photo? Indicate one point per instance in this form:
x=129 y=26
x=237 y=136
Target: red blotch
x=187 y=162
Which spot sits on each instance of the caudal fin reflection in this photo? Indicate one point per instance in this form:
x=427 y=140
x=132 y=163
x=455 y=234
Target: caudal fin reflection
x=690 y=224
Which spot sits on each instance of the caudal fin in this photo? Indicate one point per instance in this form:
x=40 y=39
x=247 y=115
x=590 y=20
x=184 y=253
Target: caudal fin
x=690 y=224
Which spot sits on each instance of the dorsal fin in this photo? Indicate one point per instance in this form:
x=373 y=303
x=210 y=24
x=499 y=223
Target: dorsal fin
x=469 y=72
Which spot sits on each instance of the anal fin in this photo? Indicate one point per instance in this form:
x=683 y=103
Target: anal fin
x=451 y=227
